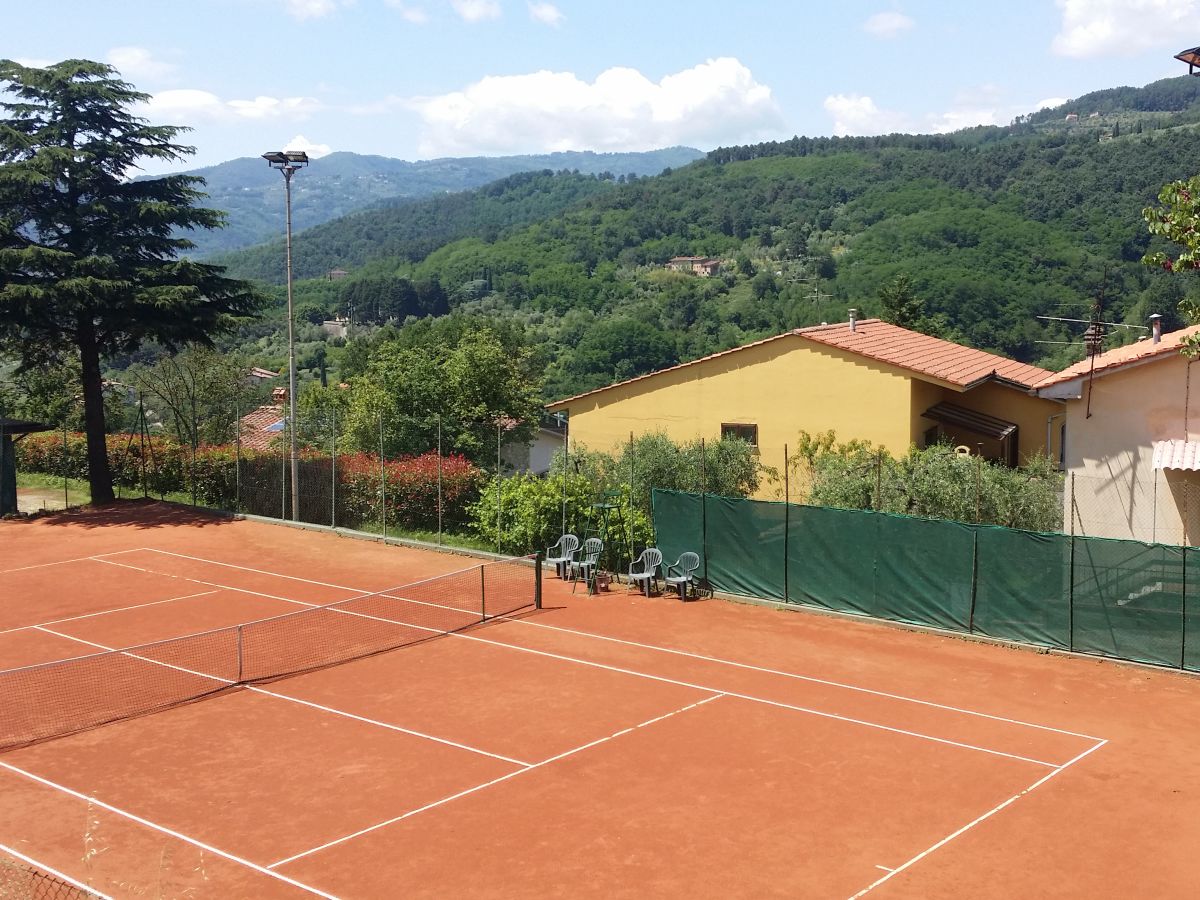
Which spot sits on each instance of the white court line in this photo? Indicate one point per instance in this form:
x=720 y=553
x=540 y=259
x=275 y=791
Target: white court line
x=487 y=784
x=105 y=612
x=885 y=868
x=700 y=687
x=776 y=703
x=987 y=815
x=715 y=659
x=808 y=678
x=61 y=562
x=258 y=690
x=57 y=874
x=164 y=830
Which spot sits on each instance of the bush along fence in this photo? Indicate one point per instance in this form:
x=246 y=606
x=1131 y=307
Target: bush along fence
x=1115 y=598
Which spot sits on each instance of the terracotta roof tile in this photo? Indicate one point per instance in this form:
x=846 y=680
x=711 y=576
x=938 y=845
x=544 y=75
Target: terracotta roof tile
x=261 y=428
x=875 y=339
x=925 y=355
x=1120 y=356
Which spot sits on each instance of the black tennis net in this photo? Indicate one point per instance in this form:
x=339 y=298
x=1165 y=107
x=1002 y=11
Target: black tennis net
x=58 y=698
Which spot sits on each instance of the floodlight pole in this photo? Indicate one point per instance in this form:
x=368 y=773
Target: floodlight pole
x=290 y=162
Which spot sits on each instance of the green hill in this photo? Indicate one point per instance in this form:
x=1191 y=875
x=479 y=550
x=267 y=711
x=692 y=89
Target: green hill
x=994 y=226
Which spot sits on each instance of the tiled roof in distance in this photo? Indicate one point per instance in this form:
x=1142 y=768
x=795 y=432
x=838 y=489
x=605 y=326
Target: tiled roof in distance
x=920 y=353
x=1120 y=356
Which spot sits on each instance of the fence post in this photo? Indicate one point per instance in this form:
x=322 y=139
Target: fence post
x=499 y=501
x=974 y=580
x=333 y=467
x=1071 y=505
x=237 y=457
x=439 y=452
x=142 y=443
x=631 y=499
x=1071 y=597
x=703 y=509
x=978 y=476
x=382 y=479
x=787 y=521
x=66 y=485
x=283 y=478
x=878 y=480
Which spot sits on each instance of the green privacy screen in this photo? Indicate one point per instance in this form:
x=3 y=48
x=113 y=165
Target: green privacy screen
x=1121 y=599
x=1023 y=586
x=1128 y=600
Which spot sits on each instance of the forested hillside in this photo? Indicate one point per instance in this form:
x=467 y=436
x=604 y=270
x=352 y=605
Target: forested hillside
x=251 y=193
x=993 y=227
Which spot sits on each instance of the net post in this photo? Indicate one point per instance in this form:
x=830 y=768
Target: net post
x=241 y=655
x=537 y=580
x=482 y=594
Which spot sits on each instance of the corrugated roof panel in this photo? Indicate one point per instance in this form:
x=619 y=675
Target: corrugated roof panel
x=1177 y=454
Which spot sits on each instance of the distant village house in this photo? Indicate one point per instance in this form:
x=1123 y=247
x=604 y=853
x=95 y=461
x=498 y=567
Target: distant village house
x=703 y=266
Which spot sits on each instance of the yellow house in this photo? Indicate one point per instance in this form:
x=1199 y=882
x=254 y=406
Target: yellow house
x=1132 y=446
x=864 y=379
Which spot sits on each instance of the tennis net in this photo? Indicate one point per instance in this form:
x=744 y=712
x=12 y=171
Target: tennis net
x=21 y=880
x=58 y=698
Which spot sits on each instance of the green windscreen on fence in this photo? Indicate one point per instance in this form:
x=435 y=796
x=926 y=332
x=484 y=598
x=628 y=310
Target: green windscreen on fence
x=746 y=543
x=831 y=559
x=678 y=522
x=1191 y=606
x=1023 y=586
x=1128 y=600
x=923 y=571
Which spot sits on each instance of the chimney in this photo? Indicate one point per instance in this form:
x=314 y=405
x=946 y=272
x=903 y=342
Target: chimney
x=853 y=319
x=1156 y=328
x=279 y=395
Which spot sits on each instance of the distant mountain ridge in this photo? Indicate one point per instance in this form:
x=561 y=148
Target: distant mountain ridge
x=251 y=194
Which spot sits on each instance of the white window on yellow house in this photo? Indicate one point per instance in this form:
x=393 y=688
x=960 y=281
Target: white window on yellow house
x=748 y=433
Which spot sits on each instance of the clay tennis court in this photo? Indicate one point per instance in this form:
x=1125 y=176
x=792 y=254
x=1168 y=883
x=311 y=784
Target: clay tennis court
x=613 y=745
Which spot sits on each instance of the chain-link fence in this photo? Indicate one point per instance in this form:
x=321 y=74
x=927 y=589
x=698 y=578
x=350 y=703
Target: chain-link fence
x=1155 y=505
x=21 y=880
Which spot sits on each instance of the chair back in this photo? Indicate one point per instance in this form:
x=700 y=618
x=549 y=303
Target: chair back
x=568 y=543
x=592 y=548
x=688 y=563
x=650 y=559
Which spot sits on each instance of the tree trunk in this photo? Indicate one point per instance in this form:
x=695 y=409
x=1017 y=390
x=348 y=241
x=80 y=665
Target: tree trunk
x=99 y=475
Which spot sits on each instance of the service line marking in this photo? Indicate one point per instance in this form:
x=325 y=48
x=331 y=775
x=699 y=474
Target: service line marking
x=987 y=815
x=91 y=891
x=164 y=830
x=96 y=557
x=494 y=781
x=257 y=690
x=105 y=612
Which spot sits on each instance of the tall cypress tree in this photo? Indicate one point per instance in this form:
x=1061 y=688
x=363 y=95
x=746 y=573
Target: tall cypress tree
x=89 y=261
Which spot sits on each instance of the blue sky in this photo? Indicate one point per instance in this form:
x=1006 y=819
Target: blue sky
x=418 y=79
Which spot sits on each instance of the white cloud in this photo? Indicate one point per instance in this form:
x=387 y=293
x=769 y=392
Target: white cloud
x=476 y=10
x=1123 y=27
x=715 y=102
x=315 y=151
x=187 y=106
x=416 y=15
x=546 y=13
x=1049 y=103
x=855 y=114
x=314 y=9
x=138 y=64
x=887 y=25
x=30 y=62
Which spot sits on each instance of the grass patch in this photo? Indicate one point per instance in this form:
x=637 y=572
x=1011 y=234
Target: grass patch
x=448 y=539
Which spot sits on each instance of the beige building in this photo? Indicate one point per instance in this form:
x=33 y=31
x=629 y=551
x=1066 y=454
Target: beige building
x=863 y=379
x=1131 y=444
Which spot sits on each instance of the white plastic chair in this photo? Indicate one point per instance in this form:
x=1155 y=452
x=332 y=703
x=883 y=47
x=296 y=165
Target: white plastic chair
x=684 y=572
x=583 y=564
x=561 y=553
x=644 y=569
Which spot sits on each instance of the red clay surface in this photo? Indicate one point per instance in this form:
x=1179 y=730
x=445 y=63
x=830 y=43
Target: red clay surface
x=609 y=746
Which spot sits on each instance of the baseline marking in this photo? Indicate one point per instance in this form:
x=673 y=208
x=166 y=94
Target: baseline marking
x=486 y=784
x=164 y=830
x=57 y=874
x=987 y=815
x=105 y=612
